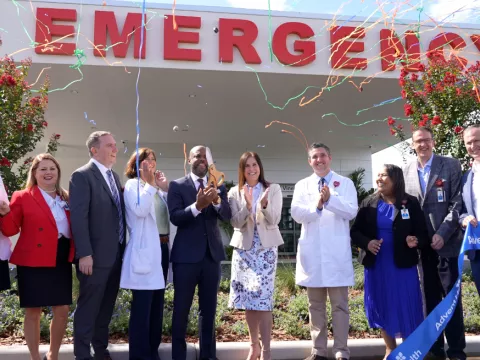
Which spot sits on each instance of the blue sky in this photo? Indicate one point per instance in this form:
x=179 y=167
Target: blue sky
x=465 y=11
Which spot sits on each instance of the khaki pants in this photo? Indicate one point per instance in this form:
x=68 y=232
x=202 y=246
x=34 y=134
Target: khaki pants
x=317 y=298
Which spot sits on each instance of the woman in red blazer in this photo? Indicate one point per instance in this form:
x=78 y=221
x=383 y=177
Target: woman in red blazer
x=44 y=251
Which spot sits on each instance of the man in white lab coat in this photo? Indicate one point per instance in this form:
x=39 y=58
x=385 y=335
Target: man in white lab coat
x=324 y=203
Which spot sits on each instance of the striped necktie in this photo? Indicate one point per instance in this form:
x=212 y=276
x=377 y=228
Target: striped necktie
x=116 y=197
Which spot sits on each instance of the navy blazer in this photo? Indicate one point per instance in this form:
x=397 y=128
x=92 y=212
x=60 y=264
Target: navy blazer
x=193 y=237
x=467 y=208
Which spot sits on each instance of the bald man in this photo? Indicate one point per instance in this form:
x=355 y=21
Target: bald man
x=197 y=252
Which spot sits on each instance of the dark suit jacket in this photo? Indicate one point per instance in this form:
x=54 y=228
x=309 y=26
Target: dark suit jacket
x=193 y=237
x=467 y=208
x=364 y=230
x=441 y=217
x=94 y=216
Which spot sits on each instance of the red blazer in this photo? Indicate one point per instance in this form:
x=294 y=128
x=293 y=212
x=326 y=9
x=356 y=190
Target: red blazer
x=31 y=216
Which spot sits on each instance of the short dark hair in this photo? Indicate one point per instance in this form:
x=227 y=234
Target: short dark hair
x=423 y=128
x=395 y=174
x=131 y=168
x=316 y=145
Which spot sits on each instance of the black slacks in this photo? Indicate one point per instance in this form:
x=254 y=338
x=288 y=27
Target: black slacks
x=440 y=275
x=186 y=276
x=146 y=318
x=96 y=301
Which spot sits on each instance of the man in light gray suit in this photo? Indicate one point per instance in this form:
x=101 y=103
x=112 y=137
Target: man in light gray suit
x=435 y=181
x=98 y=228
x=471 y=194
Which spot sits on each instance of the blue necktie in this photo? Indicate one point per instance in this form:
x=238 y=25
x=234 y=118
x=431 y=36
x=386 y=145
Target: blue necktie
x=321 y=182
x=116 y=197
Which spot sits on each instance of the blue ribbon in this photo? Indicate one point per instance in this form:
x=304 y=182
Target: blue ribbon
x=418 y=344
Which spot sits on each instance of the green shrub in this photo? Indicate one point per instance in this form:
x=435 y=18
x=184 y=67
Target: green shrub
x=285 y=279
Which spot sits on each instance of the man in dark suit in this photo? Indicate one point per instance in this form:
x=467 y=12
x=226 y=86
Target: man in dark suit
x=98 y=227
x=436 y=182
x=196 y=253
x=471 y=195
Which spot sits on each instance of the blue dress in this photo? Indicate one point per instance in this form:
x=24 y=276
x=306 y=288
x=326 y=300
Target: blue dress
x=393 y=301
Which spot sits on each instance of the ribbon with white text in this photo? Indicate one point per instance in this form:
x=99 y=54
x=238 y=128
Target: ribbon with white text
x=417 y=345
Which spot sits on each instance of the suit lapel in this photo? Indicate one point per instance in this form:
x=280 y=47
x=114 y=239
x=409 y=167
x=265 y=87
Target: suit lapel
x=98 y=174
x=40 y=200
x=437 y=165
x=413 y=173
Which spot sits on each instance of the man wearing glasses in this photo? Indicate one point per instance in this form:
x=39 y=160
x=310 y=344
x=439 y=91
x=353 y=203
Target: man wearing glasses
x=436 y=181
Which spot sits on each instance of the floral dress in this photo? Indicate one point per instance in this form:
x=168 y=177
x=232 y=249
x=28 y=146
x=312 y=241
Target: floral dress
x=253 y=273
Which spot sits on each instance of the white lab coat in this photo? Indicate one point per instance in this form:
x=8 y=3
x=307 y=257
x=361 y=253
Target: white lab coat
x=143 y=231
x=324 y=256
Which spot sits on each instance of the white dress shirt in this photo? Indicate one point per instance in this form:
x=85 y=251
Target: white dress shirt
x=57 y=207
x=476 y=188
x=103 y=169
x=195 y=178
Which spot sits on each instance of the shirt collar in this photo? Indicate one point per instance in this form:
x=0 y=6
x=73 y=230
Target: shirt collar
x=195 y=178
x=103 y=169
x=427 y=165
x=327 y=177
x=476 y=167
x=256 y=187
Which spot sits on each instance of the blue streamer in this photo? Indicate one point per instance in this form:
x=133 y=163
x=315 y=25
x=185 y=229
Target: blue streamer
x=142 y=29
x=417 y=345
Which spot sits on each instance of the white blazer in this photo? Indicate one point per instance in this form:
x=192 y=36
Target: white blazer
x=324 y=256
x=142 y=262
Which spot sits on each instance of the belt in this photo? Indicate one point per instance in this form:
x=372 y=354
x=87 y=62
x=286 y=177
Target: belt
x=164 y=239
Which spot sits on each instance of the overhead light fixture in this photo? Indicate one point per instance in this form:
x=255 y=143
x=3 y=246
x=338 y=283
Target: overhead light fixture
x=261 y=146
x=74 y=92
x=192 y=95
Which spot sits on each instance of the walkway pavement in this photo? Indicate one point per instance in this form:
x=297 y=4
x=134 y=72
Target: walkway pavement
x=364 y=349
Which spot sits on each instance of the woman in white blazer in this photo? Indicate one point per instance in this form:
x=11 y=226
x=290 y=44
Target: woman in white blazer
x=256 y=209
x=142 y=270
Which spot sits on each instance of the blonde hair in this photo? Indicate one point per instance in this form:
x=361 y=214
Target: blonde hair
x=32 y=181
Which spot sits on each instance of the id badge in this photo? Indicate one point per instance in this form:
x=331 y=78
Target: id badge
x=405 y=214
x=440 y=195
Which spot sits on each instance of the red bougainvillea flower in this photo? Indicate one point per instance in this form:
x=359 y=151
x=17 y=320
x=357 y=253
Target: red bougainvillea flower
x=391 y=122
x=392 y=131
x=436 y=120
x=29 y=127
x=35 y=101
x=404 y=94
x=402 y=82
x=5 y=162
x=428 y=87
x=459 y=91
x=400 y=127
x=45 y=124
x=57 y=136
x=408 y=109
x=458 y=129
x=414 y=77
x=425 y=117
x=421 y=67
x=422 y=123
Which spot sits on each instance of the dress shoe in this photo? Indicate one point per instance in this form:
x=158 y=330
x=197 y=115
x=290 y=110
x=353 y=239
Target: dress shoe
x=342 y=359
x=432 y=356
x=316 y=357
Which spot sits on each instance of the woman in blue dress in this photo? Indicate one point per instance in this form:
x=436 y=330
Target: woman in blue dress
x=389 y=229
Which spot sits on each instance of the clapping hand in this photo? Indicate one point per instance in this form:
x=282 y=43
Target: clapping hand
x=4 y=208
x=161 y=180
x=205 y=197
x=374 y=246
x=412 y=241
x=264 y=199
x=147 y=172
x=248 y=194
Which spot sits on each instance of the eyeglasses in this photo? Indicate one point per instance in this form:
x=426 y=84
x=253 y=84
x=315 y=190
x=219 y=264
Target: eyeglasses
x=421 y=141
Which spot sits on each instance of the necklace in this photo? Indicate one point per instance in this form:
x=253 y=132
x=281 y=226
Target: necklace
x=49 y=191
